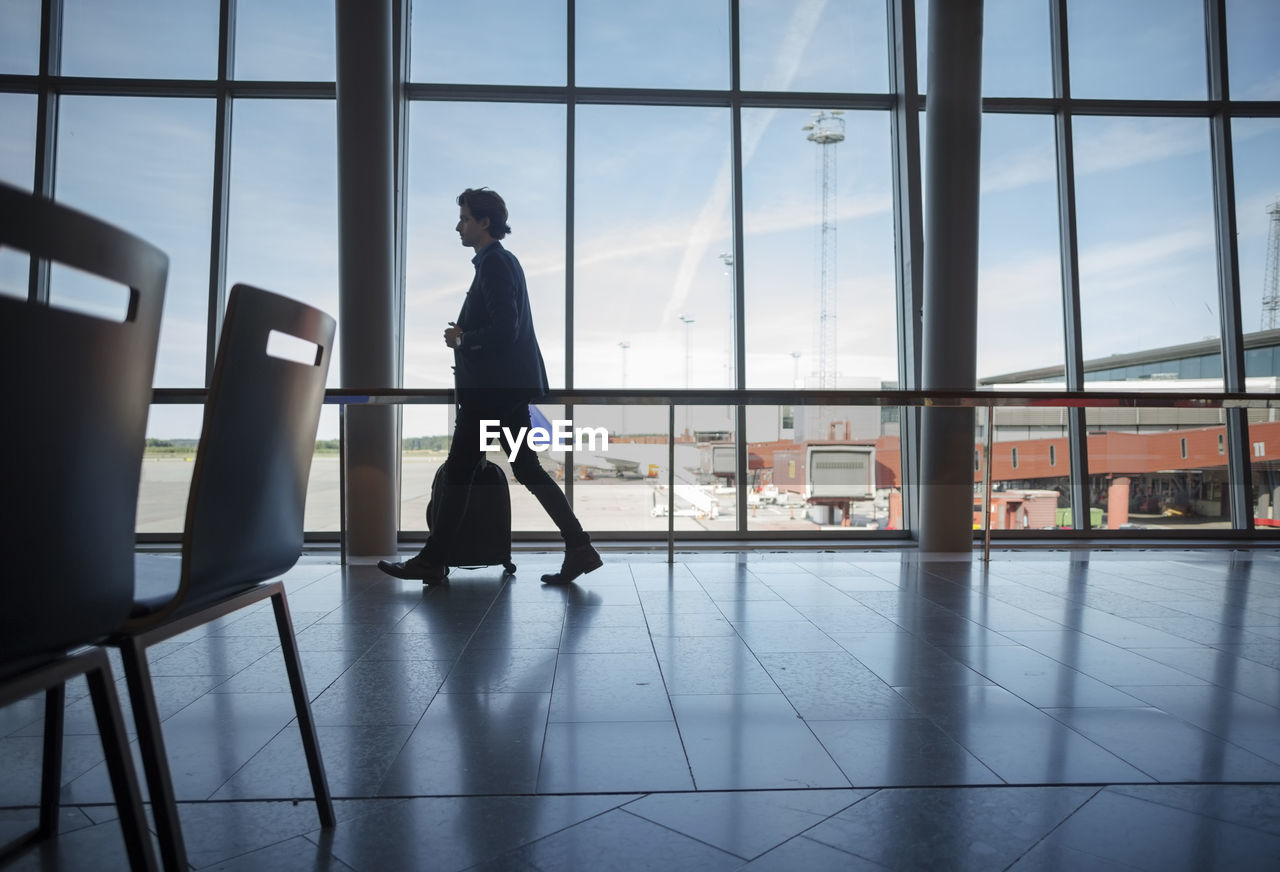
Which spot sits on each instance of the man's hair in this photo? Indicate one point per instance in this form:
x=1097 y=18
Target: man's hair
x=483 y=203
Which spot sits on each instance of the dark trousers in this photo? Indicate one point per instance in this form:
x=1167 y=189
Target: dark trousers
x=465 y=452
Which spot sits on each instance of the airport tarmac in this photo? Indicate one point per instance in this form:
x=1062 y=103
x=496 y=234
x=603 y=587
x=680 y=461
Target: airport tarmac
x=604 y=504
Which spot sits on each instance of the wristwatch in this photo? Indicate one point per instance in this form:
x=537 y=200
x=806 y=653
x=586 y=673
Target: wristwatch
x=457 y=339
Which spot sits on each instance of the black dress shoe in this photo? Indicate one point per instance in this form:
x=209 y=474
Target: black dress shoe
x=577 y=560
x=415 y=569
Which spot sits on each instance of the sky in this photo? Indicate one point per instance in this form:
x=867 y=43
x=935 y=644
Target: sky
x=653 y=185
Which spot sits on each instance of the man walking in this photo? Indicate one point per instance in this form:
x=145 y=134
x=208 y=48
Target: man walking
x=498 y=370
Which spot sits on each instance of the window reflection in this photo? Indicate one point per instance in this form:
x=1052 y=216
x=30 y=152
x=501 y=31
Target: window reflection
x=651 y=223
x=146 y=165
x=140 y=38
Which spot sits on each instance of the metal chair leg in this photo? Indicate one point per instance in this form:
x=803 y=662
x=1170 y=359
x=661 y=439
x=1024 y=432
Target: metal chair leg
x=55 y=701
x=302 y=705
x=155 y=762
x=124 y=779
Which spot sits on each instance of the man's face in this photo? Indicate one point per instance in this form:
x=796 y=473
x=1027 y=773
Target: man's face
x=473 y=231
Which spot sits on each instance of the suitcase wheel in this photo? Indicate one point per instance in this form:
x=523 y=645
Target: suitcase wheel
x=509 y=568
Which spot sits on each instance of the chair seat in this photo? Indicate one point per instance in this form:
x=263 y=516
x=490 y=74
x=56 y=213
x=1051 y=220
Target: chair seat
x=157 y=578
x=155 y=582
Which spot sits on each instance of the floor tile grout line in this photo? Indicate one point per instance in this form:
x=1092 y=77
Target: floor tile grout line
x=662 y=674
x=1058 y=826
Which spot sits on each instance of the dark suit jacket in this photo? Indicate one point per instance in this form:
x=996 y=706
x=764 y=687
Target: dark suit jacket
x=499 y=359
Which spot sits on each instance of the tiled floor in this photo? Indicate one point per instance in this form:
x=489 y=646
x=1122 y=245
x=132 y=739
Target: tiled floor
x=789 y=710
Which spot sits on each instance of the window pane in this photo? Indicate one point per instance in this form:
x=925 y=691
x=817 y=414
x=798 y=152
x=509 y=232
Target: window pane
x=17 y=167
x=655 y=44
x=146 y=165
x=291 y=40
x=1015 y=49
x=1253 y=32
x=1148 y=260
x=1030 y=469
x=1256 y=142
x=1263 y=446
x=1141 y=49
x=140 y=39
x=283 y=225
x=18 y=139
x=524 y=42
x=423 y=454
x=651 y=224
x=796 y=45
x=815 y=467
x=323 y=511
x=1019 y=272
x=626 y=488
x=530 y=179
x=784 y=245
x=173 y=436
x=20 y=37
x=1140 y=477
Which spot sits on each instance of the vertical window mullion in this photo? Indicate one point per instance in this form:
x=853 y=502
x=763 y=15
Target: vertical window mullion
x=570 y=152
x=1069 y=256
x=1240 y=492
x=737 y=269
x=908 y=236
x=46 y=129
x=221 y=182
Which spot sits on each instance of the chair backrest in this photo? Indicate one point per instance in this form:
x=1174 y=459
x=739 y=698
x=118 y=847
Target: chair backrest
x=76 y=392
x=249 y=486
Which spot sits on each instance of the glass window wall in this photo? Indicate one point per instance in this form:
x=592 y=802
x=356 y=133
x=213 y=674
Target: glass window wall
x=642 y=199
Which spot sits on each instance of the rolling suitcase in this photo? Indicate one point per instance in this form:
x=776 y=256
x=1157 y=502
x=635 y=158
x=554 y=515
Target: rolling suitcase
x=481 y=534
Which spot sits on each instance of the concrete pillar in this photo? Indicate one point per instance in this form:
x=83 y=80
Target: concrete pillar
x=949 y=319
x=368 y=318
x=1117 y=503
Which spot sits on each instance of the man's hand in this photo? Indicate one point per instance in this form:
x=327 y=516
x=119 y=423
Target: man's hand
x=453 y=335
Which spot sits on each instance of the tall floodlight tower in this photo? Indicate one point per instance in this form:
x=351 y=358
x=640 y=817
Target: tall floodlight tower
x=1271 y=279
x=827 y=130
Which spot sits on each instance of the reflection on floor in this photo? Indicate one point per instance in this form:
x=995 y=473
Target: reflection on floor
x=785 y=710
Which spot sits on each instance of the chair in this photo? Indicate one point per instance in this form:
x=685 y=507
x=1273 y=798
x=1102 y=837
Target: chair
x=243 y=526
x=77 y=389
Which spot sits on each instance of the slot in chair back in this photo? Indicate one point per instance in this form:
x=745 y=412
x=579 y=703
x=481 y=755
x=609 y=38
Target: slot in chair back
x=77 y=389
x=248 y=491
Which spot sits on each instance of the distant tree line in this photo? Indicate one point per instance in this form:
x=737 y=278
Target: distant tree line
x=188 y=446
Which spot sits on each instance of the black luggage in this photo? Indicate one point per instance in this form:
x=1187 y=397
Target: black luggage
x=481 y=534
